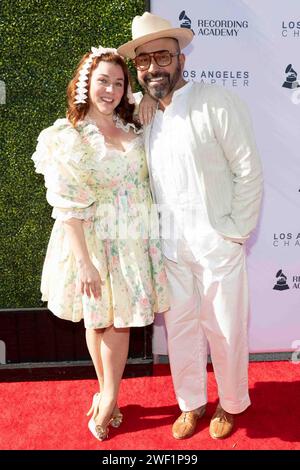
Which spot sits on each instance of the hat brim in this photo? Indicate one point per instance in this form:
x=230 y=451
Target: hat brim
x=183 y=35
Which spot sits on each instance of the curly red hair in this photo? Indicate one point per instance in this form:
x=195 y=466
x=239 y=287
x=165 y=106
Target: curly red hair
x=77 y=112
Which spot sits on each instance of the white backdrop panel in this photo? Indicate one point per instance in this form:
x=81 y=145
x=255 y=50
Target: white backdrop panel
x=246 y=45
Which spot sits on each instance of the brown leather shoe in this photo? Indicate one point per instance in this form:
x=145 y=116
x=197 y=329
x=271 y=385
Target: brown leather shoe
x=185 y=425
x=221 y=424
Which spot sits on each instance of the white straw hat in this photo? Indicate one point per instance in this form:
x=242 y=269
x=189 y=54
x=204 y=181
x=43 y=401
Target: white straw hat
x=148 y=27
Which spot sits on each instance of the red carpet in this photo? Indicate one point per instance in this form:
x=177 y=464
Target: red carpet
x=51 y=415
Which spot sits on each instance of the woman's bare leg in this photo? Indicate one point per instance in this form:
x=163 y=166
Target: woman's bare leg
x=114 y=352
x=93 y=341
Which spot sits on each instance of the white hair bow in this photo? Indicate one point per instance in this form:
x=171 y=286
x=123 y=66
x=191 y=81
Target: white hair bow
x=97 y=51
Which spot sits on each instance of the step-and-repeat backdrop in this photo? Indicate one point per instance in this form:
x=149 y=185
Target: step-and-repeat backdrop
x=252 y=47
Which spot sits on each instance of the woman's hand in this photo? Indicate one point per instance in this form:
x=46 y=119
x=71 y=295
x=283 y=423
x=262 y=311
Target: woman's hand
x=89 y=279
x=147 y=108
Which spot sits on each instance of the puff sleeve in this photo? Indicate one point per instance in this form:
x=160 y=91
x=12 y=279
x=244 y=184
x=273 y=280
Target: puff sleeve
x=64 y=158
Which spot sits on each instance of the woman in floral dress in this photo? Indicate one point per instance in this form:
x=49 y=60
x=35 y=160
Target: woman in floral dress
x=103 y=261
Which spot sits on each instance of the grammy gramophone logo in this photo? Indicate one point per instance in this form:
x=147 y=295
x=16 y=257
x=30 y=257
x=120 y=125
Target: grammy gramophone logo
x=291 y=78
x=185 y=21
x=281 y=283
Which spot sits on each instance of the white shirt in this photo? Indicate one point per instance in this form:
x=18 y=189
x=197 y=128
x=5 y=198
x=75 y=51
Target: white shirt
x=177 y=190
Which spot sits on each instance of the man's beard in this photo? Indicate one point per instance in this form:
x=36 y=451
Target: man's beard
x=160 y=91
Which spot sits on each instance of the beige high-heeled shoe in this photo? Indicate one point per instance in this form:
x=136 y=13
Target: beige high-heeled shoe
x=99 y=431
x=116 y=416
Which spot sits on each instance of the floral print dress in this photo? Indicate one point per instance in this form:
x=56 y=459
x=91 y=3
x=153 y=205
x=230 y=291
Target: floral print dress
x=109 y=190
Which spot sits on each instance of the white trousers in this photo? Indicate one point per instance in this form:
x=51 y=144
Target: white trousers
x=209 y=304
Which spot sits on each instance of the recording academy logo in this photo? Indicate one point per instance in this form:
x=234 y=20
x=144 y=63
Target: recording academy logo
x=281 y=283
x=213 y=27
x=291 y=78
x=290 y=28
x=185 y=21
x=291 y=83
x=221 y=28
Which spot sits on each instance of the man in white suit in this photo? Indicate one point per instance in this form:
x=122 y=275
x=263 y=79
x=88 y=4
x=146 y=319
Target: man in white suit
x=206 y=179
